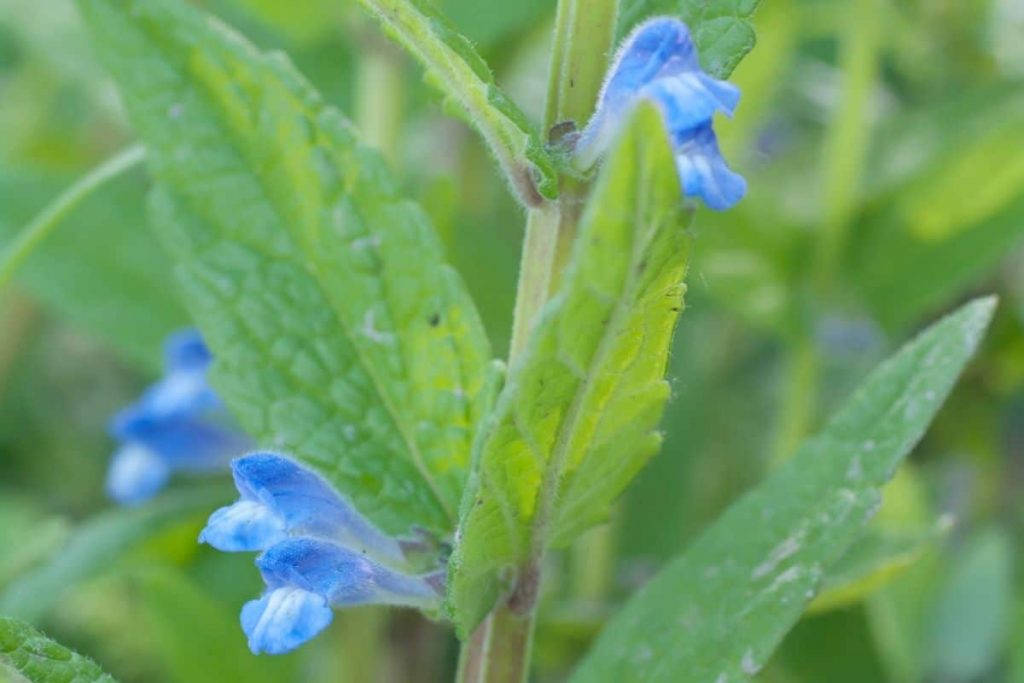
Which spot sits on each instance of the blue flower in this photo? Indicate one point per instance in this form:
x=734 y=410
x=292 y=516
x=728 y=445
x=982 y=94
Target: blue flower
x=658 y=62
x=306 y=577
x=177 y=425
x=320 y=553
x=279 y=499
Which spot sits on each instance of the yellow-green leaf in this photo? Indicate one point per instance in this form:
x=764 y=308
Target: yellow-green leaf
x=576 y=419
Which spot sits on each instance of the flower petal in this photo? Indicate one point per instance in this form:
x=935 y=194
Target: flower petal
x=308 y=505
x=136 y=474
x=344 y=577
x=185 y=443
x=658 y=62
x=186 y=350
x=283 y=619
x=245 y=526
x=657 y=48
x=704 y=173
x=691 y=100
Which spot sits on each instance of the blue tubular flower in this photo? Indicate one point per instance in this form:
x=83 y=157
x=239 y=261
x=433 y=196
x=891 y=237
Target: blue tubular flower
x=306 y=577
x=320 y=553
x=280 y=498
x=658 y=62
x=178 y=424
x=704 y=174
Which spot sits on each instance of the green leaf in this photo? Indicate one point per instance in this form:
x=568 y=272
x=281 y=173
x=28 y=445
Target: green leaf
x=716 y=613
x=870 y=563
x=340 y=334
x=97 y=543
x=950 y=194
x=34 y=657
x=836 y=647
x=903 y=277
x=721 y=28
x=966 y=190
x=576 y=419
x=971 y=619
x=463 y=76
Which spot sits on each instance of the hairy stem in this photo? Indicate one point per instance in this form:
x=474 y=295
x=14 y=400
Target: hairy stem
x=464 y=78
x=50 y=217
x=583 y=40
x=499 y=650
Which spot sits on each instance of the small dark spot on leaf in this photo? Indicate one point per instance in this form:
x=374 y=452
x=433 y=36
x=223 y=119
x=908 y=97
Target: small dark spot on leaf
x=434 y=320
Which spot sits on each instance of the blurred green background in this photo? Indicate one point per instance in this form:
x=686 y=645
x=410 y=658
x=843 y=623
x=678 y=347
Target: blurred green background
x=883 y=143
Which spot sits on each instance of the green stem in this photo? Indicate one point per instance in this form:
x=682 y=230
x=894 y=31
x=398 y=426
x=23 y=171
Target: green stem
x=499 y=650
x=451 y=61
x=848 y=134
x=49 y=218
x=843 y=160
x=540 y=246
x=797 y=412
x=378 y=98
x=593 y=561
x=584 y=30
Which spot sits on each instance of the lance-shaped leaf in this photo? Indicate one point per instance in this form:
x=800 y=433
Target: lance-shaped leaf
x=339 y=333
x=721 y=28
x=464 y=77
x=716 y=613
x=28 y=655
x=576 y=419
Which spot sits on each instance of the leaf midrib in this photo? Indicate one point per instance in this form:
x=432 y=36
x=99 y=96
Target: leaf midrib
x=567 y=430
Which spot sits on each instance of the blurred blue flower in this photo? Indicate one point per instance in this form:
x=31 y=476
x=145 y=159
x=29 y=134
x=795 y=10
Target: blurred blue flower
x=658 y=62
x=279 y=499
x=177 y=425
x=306 y=577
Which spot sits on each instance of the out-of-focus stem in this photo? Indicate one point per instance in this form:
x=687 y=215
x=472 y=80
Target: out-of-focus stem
x=378 y=101
x=50 y=217
x=848 y=134
x=593 y=561
x=842 y=165
x=797 y=410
